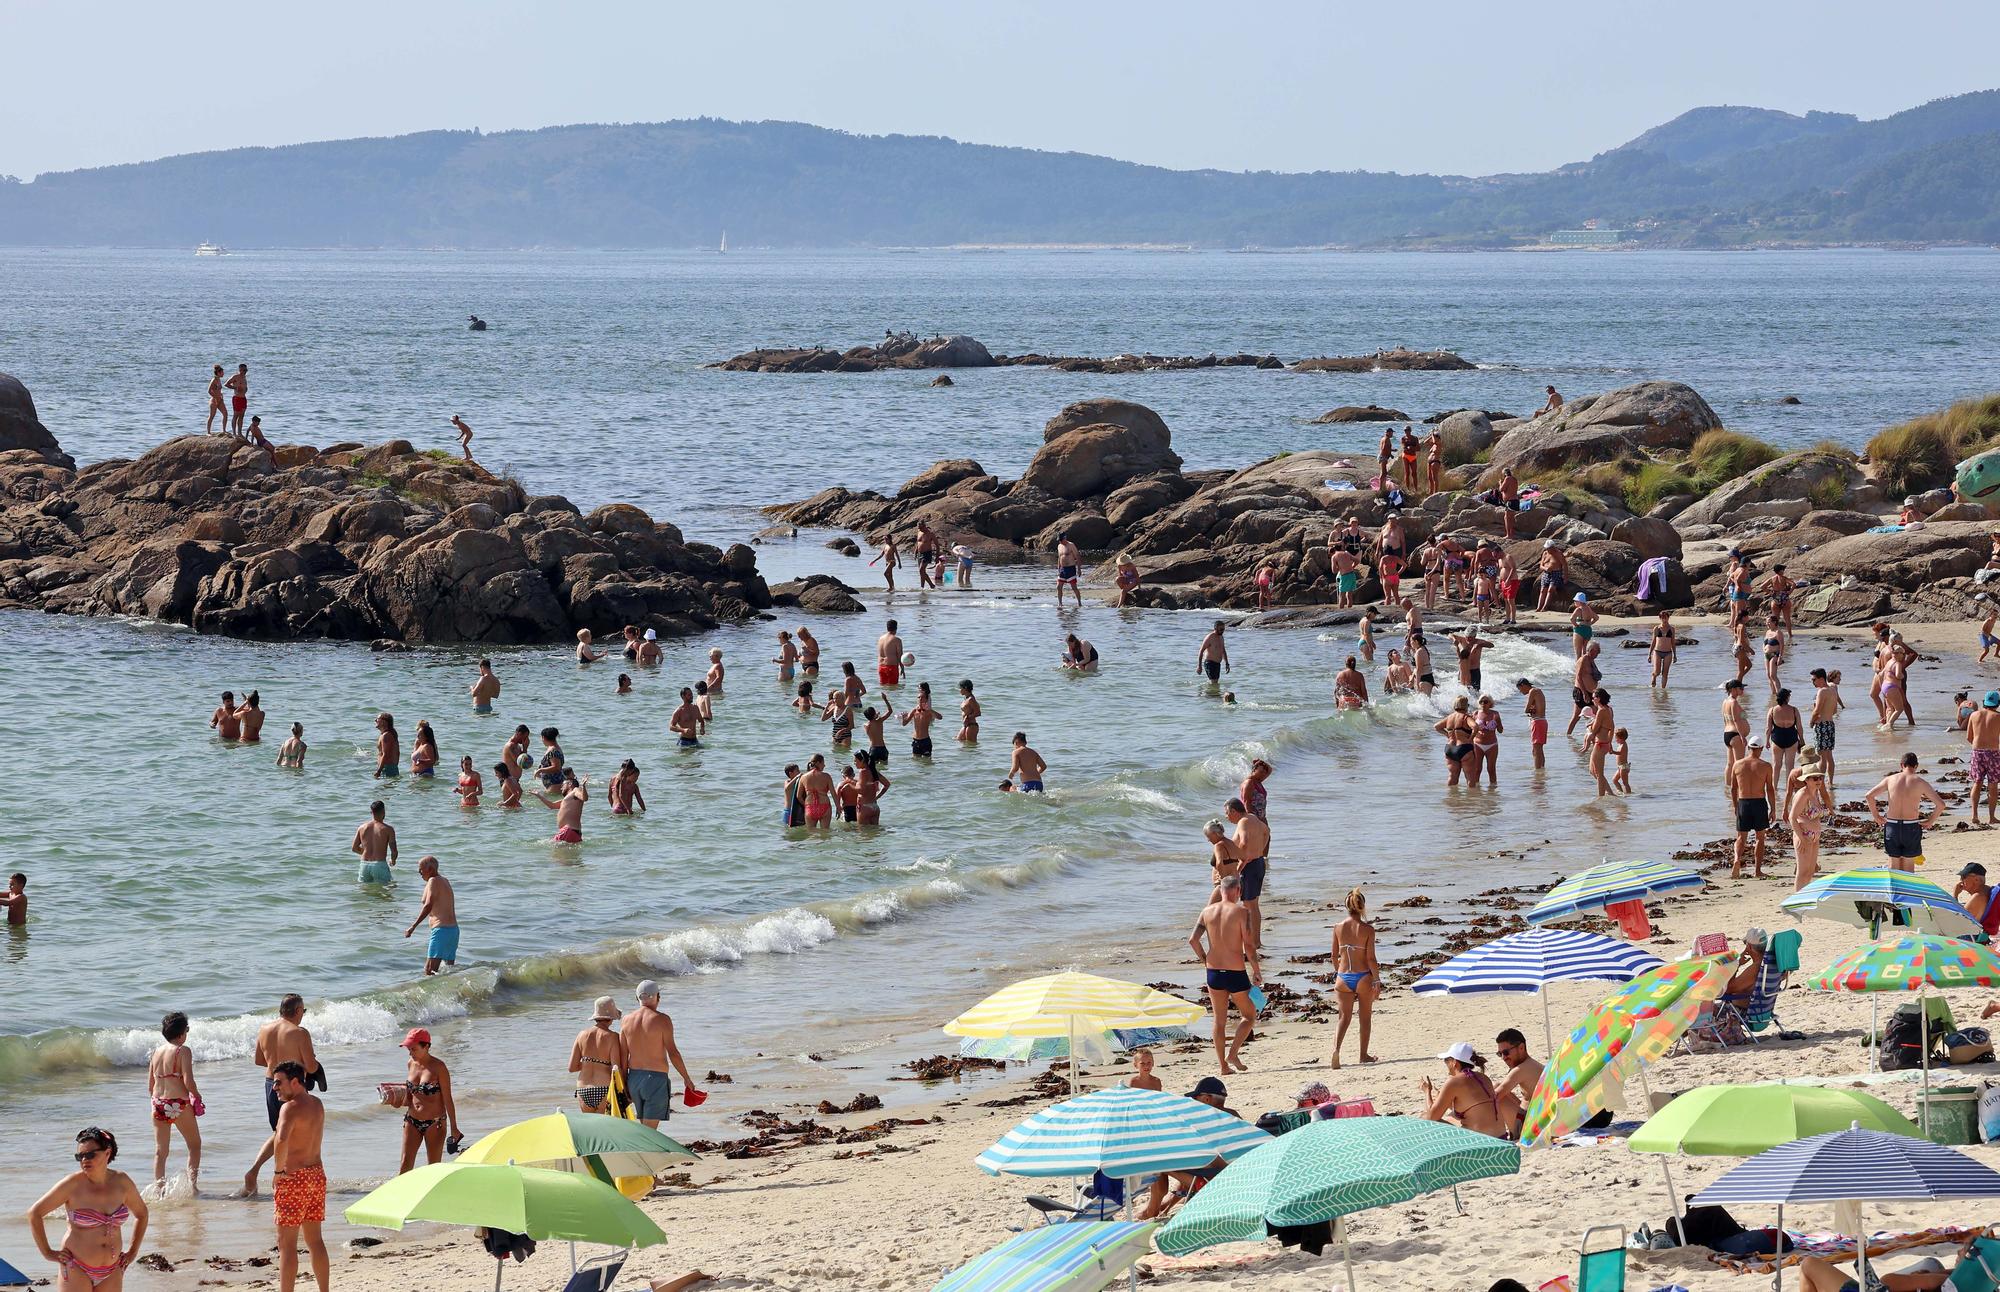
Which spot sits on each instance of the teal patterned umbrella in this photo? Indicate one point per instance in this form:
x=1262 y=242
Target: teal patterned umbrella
x=1330 y=1169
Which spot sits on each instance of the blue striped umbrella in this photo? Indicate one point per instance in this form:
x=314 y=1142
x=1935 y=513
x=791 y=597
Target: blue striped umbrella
x=1078 y=1257
x=1613 y=881
x=1123 y=1132
x=1529 y=961
x=1860 y=898
x=1853 y=1166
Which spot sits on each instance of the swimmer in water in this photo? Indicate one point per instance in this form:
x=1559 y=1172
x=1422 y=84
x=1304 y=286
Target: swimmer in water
x=1350 y=687
x=804 y=702
x=293 y=752
x=485 y=688
x=251 y=716
x=919 y=720
x=624 y=684
x=510 y=785
x=224 y=721
x=624 y=790
x=424 y=751
x=787 y=657
x=1027 y=766
x=388 y=747
x=714 y=678
x=686 y=720
x=1079 y=655
x=968 y=714
x=808 y=651
x=703 y=707
x=375 y=843
x=584 y=653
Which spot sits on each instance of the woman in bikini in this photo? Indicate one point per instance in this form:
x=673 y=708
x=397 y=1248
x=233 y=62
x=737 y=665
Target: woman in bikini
x=1742 y=651
x=430 y=1109
x=1467 y=1094
x=510 y=785
x=469 y=786
x=424 y=751
x=1665 y=642
x=1460 y=753
x=817 y=788
x=1774 y=651
x=1812 y=804
x=1783 y=732
x=841 y=714
x=869 y=787
x=176 y=1098
x=968 y=714
x=98 y=1202
x=215 y=405
x=1360 y=977
x=251 y=716
x=1486 y=729
x=1397 y=677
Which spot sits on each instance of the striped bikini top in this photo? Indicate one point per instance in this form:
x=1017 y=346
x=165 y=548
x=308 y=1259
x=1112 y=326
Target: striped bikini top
x=86 y=1218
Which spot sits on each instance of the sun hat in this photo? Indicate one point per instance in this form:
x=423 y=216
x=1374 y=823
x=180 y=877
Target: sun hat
x=652 y=635
x=1314 y=1093
x=606 y=1008
x=1461 y=1052
x=1581 y=597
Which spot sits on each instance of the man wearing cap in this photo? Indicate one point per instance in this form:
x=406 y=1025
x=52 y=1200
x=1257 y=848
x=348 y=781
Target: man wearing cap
x=1976 y=896
x=1176 y=1186
x=1750 y=788
x=485 y=688
x=1982 y=732
x=1825 y=710
x=1735 y=725
x=1897 y=804
x=595 y=1053
x=648 y=1036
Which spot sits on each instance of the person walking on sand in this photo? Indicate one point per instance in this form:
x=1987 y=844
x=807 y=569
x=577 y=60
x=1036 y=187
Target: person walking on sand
x=97 y=1202
x=1358 y=976
x=375 y=843
x=298 y=1192
x=1069 y=566
x=1212 y=658
x=224 y=722
x=176 y=1099
x=485 y=688
x=440 y=907
x=1982 y=732
x=1811 y=805
x=1222 y=942
x=431 y=1114
x=1253 y=844
x=464 y=436
x=648 y=1036
x=595 y=1055
x=1026 y=767
x=1750 y=788
x=239 y=398
x=1536 y=710
x=568 y=808
x=282 y=1041
x=889 y=656
x=1897 y=804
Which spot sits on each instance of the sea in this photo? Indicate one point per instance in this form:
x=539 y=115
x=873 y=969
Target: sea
x=171 y=871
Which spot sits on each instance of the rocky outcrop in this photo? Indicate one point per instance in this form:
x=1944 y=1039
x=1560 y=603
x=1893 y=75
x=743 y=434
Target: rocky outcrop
x=1124 y=363
x=897 y=350
x=1361 y=413
x=1653 y=415
x=1081 y=461
x=24 y=441
x=1789 y=487
x=1397 y=360
x=819 y=593
x=1465 y=434
x=352 y=542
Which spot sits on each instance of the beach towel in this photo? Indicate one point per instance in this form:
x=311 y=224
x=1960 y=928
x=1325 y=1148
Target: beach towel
x=1785 y=950
x=1887 y=529
x=1652 y=578
x=1631 y=917
x=1840 y=1247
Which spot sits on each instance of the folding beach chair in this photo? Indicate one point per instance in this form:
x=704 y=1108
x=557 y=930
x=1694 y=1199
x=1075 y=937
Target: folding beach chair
x=1757 y=1012
x=597 y=1273
x=1601 y=1269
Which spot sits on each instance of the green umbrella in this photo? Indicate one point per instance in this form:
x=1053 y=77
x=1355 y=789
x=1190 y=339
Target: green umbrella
x=1330 y=1169
x=584 y=1143
x=1739 y=1121
x=526 y=1200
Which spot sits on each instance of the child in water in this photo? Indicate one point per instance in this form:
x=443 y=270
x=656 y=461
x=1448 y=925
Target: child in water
x=847 y=795
x=510 y=785
x=1621 y=749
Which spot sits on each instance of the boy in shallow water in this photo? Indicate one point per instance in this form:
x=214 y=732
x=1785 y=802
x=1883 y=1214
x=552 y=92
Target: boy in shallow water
x=1620 y=749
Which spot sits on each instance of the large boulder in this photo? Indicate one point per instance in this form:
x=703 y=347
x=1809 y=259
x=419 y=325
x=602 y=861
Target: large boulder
x=820 y=594
x=1465 y=434
x=21 y=429
x=1902 y=561
x=1079 y=461
x=1131 y=503
x=1651 y=537
x=1656 y=415
x=1808 y=478
x=1315 y=470
x=1361 y=413
x=939 y=477
x=1105 y=412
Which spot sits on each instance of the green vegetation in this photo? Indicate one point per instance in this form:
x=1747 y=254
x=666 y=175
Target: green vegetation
x=1716 y=458
x=1923 y=452
x=439 y=455
x=1654 y=481
x=1721 y=455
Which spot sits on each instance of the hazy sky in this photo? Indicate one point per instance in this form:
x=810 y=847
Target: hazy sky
x=1442 y=86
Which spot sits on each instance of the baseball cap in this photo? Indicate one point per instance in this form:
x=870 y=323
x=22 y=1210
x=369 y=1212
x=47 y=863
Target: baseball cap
x=1756 y=742
x=1462 y=1052
x=1972 y=868
x=1993 y=699
x=416 y=1036
x=647 y=989
x=1733 y=684
x=606 y=1008
x=1209 y=1086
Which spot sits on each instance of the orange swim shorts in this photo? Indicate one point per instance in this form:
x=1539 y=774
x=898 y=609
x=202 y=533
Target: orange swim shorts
x=299 y=1196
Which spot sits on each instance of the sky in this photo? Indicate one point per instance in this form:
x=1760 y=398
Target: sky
x=1445 y=87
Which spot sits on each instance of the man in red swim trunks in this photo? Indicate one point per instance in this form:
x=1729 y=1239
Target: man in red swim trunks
x=239 y=397
x=889 y=656
x=299 y=1191
x=1538 y=716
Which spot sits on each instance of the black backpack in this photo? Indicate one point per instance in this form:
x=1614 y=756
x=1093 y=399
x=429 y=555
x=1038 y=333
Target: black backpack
x=1903 y=1039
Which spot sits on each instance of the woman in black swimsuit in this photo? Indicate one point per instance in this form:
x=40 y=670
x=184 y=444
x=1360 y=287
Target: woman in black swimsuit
x=1461 y=753
x=1781 y=733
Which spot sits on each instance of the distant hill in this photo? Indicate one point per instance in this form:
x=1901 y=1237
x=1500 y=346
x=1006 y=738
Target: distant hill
x=1719 y=176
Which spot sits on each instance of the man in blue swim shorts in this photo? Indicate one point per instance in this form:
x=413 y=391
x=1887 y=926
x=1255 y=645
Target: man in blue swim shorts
x=649 y=1049
x=1027 y=768
x=441 y=909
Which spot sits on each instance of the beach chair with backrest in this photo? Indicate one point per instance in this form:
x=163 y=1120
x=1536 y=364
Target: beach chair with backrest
x=1978 y=1270
x=597 y=1273
x=1601 y=1269
x=1757 y=1012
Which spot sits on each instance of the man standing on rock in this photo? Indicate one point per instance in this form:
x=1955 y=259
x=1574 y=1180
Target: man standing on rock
x=1902 y=820
x=239 y=398
x=1213 y=657
x=1825 y=712
x=889 y=657
x=485 y=688
x=1750 y=788
x=1069 y=564
x=1554 y=567
x=1982 y=732
x=648 y=1036
x=1410 y=444
x=927 y=553
x=1384 y=454
x=1434 y=460
x=1510 y=501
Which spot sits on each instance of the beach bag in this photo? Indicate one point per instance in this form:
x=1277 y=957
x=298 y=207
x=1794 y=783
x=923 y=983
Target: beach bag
x=1989 y=1113
x=1969 y=1045
x=1902 y=1040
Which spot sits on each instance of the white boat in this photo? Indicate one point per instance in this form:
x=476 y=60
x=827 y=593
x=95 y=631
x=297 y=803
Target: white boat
x=724 y=248
x=210 y=249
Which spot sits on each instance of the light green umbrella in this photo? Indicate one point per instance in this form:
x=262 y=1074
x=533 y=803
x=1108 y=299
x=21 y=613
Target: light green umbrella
x=543 y=1205
x=1330 y=1169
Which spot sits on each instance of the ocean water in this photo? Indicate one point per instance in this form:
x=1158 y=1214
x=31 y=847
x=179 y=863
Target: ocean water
x=173 y=872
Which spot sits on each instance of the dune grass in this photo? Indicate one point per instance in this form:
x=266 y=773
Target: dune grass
x=1925 y=451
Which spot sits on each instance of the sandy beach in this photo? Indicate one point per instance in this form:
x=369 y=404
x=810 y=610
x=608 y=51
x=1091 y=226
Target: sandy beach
x=898 y=1210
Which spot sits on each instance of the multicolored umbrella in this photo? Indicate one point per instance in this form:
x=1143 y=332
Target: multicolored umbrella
x=1326 y=1170
x=1069 y=1004
x=1124 y=1132
x=611 y=1149
x=1613 y=881
x=1626 y=1030
x=1079 y=1257
x=1865 y=899
x=1531 y=960
x=1911 y=962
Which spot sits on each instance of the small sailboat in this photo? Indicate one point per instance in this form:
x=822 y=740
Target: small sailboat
x=210 y=249
x=723 y=250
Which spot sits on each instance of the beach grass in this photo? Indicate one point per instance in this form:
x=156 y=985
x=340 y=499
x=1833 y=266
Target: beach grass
x=1924 y=452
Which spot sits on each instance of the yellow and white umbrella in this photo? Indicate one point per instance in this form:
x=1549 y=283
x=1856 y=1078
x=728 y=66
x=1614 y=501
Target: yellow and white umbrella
x=1069 y=1004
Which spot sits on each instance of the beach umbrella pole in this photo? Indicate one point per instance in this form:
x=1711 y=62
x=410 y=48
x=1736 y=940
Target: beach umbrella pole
x=1673 y=1199
x=1346 y=1252
x=1548 y=1027
x=1778 y=1256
